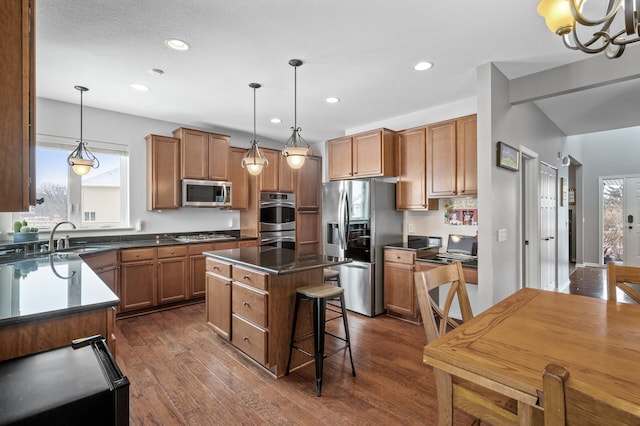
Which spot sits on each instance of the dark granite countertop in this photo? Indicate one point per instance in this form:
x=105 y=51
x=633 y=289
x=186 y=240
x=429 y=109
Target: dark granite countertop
x=48 y=286
x=417 y=244
x=275 y=260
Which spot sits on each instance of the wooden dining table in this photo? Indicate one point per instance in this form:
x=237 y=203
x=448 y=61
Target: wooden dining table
x=507 y=347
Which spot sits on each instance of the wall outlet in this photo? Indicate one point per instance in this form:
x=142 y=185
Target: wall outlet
x=502 y=235
x=411 y=228
x=230 y=223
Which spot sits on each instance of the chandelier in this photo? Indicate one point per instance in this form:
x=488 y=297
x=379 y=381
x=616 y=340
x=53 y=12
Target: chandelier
x=295 y=149
x=254 y=161
x=567 y=17
x=81 y=159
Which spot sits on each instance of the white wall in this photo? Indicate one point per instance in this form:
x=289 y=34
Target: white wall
x=499 y=189
x=602 y=154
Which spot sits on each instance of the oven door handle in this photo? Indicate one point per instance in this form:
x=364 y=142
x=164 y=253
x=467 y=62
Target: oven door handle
x=277 y=204
x=277 y=239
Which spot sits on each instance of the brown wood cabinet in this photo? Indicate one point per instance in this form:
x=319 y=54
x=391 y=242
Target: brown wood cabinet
x=17 y=107
x=277 y=176
x=197 y=265
x=451 y=148
x=362 y=155
x=399 y=292
x=411 y=155
x=163 y=172
x=218 y=281
x=309 y=207
x=138 y=279
x=172 y=273
x=203 y=155
x=239 y=178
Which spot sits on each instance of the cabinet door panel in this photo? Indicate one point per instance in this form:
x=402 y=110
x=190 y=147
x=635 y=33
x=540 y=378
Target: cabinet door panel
x=411 y=190
x=172 y=279
x=399 y=294
x=197 y=282
x=271 y=174
x=441 y=159
x=467 y=137
x=195 y=154
x=138 y=284
x=286 y=175
x=163 y=172
x=218 y=157
x=219 y=304
x=309 y=184
x=308 y=232
x=239 y=178
x=367 y=154
x=340 y=159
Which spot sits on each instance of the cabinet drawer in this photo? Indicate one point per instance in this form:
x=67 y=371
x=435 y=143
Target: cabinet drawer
x=249 y=304
x=250 y=339
x=172 y=251
x=133 y=255
x=399 y=256
x=218 y=267
x=250 y=277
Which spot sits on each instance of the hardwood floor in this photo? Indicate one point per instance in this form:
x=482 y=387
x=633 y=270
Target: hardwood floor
x=183 y=373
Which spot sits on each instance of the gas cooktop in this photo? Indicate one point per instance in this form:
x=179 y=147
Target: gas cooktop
x=203 y=238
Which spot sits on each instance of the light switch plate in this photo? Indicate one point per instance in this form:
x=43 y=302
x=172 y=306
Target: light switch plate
x=411 y=229
x=502 y=235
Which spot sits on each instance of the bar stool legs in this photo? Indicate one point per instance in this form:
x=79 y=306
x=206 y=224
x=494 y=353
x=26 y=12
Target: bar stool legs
x=319 y=295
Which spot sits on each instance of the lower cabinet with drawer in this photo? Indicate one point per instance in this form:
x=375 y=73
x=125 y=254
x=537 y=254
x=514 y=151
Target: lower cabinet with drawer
x=137 y=278
x=172 y=274
x=399 y=292
x=218 y=298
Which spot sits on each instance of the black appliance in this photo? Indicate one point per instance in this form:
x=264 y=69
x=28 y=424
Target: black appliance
x=278 y=220
x=79 y=384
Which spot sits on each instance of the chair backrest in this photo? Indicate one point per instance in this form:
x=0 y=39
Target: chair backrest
x=568 y=402
x=437 y=320
x=619 y=277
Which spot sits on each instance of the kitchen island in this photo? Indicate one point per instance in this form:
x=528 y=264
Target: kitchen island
x=48 y=300
x=250 y=295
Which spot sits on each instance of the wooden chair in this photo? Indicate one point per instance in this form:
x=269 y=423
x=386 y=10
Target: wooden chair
x=481 y=403
x=568 y=402
x=620 y=277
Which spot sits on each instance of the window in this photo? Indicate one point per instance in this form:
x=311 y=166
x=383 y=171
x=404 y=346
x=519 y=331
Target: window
x=99 y=199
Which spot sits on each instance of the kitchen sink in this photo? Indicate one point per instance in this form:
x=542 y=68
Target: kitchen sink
x=82 y=249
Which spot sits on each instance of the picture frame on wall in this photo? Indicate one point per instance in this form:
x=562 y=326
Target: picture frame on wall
x=508 y=157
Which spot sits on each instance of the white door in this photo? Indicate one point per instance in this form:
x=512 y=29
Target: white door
x=530 y=219
x=631 y=224
x=548 y=230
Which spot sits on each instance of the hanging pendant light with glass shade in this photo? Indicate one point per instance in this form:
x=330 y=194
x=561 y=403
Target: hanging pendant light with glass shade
x=296 y=149
x=254 y=161
x=81 y=159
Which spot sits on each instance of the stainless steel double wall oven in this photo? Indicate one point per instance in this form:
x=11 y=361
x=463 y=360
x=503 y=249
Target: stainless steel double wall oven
x=278 y=219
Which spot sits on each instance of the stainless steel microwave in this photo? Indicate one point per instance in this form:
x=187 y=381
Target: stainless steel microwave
x=205 y=193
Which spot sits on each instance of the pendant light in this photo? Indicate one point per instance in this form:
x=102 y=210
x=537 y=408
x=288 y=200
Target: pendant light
x=296 y=149
x=254 y=161
x=81 y=159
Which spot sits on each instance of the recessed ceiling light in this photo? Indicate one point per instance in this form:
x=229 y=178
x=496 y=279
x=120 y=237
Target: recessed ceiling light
x=423 y=66
x=333 y=100
x=140 y=87
x=276 y=121
x=176 y=44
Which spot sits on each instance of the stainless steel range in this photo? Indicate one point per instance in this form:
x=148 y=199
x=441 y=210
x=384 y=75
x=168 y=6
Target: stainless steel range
x=204 y=238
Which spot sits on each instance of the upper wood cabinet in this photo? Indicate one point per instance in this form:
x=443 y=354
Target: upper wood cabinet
x=277 y=176
x=163 y=172
x=239 y=177
x=204 y=155
x=362 y=155
x=309 y=193
x=411 y=155
x=451 y=149
x=17 y=106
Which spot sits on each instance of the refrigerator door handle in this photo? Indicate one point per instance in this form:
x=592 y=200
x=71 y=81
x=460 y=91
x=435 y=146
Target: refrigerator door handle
x=341 y=220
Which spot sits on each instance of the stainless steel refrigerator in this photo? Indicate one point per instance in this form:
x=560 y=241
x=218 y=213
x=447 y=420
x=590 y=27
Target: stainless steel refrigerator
x=358 y=218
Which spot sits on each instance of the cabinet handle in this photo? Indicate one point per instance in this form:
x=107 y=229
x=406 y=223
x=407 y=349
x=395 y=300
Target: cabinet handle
x=397 y=257
x=216 y=268
x=245 y=303
x=137 y=254
x=227 y=283
x=246 y=277
x=245 y=338
x=173 y=252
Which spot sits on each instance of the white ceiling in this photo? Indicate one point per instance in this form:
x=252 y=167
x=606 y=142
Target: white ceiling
x=361 y=51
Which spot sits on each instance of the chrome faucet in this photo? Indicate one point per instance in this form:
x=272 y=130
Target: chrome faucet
x=52 y=247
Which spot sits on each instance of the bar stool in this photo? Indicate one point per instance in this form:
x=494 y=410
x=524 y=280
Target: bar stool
x=319 y=294
x=332 y=275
